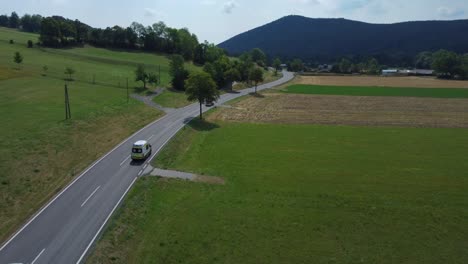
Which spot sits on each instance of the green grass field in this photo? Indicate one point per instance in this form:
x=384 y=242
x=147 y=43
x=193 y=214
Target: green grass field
x=377 y=91
x=172 y=99
x=39 y=151
x=299 y=194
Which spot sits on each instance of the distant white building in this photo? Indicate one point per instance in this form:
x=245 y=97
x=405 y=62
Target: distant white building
x=325 y=68
x=406 y=72
x=389 y=72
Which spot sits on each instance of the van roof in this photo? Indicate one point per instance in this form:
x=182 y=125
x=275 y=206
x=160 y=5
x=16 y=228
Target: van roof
x=140 y=143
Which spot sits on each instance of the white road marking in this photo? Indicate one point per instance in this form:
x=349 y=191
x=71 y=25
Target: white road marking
x=124 y=160
x=90 y=196
x=150 y=137
x=139 y=173
x=37 y=257
x=146 y=165
x=92 y=166
x=79 y=177
x=105 y=221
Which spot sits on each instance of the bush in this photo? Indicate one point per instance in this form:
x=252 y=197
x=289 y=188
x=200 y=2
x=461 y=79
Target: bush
x=11 y=41
x=30 y=44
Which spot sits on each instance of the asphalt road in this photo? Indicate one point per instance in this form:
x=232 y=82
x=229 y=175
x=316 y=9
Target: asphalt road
x=64 y=230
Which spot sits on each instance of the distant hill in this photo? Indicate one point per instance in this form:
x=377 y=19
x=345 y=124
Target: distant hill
x=327 y=39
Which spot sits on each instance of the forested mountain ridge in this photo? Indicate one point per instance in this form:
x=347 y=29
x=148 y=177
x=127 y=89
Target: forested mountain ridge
x=328 y=39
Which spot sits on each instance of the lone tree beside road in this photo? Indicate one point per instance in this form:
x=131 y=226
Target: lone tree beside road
x=178 y=73
x=69 y=71
x=256 y=76
x=201 y=87
x=277 y=65
x=18 y=58
x=145 y=77
x=231 y=75
x=141 y=75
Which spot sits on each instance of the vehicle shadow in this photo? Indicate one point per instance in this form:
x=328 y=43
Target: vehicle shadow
x=137 y=162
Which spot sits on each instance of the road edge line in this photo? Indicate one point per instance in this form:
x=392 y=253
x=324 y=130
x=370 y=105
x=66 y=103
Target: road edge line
x=8 y=241
x=105 y=221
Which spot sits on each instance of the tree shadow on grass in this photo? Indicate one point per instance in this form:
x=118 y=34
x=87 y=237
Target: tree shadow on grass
x=139 y=90
x=258 y=95
x=202 y=125
x=230 y=91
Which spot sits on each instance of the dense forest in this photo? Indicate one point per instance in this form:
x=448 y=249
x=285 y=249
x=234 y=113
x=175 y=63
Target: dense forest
x=58 y=32
x=328 y=40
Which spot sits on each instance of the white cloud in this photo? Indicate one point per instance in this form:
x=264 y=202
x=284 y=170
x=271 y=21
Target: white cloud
x=304 y=2
x=208 y=2
x=151 y=13
x=229 y=6
x=448 y=12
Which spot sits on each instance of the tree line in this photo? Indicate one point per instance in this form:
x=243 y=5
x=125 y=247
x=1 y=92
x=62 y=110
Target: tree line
x=58 y=32
x=446 y=64
x=28 y=23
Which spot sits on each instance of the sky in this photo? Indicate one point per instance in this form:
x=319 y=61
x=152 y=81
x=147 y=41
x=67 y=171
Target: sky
x=219 y=20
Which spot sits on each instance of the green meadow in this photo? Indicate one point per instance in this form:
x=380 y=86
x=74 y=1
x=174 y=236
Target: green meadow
x=299 y=194
x=41 y=152
x=377 y=91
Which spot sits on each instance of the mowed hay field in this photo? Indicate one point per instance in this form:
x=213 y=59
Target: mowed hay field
x=41 y=152
x=281 y=108
x=299 y=194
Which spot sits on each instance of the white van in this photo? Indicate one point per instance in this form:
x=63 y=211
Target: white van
x=141 y=150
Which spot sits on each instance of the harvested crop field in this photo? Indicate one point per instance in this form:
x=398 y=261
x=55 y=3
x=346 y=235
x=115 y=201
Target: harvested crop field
x=410 y=81
x=348 y=110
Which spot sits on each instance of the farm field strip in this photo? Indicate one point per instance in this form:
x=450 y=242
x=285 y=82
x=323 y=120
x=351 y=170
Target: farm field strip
x=377 y=91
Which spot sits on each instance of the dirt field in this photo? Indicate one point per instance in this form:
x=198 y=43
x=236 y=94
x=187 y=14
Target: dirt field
x=348 y=110
x=423 y=82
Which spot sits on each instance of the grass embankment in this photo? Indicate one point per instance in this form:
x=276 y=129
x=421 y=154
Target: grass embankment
x=299 y=194
x=172 y=99
x=377 y=91
x=39 y=151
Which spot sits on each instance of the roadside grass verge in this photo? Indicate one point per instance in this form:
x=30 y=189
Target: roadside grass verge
x=172 y=99
x=40 y=152
x=299 y=194
x=377 y=91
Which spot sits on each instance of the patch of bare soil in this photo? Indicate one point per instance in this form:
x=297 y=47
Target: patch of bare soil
x=209 y=179
x=348 y=110
x=407 y=81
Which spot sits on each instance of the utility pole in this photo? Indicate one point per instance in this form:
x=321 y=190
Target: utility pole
x=127 y=91
x=67 y=104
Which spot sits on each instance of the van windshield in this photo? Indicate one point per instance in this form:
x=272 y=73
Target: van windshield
x=136 y=150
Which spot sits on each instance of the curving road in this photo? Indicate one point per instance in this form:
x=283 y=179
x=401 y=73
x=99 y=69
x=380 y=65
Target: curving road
x=65 y=228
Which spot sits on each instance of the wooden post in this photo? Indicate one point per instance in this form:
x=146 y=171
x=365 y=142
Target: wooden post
x=66 y=107
x=67 y=104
